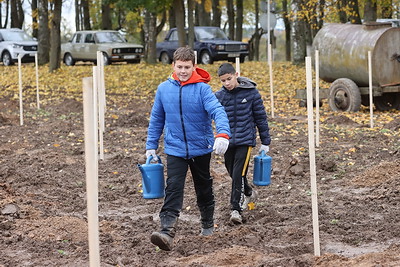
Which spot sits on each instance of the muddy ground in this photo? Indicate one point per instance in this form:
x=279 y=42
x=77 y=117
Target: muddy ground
x=43 y=216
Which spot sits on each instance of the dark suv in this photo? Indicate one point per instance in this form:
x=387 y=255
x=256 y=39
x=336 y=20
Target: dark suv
x=211 y=44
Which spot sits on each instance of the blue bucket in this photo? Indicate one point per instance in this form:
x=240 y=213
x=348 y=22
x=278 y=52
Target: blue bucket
x=152 y=178
x=262 y=169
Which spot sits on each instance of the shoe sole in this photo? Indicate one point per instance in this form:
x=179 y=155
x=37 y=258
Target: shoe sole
x=157 y=239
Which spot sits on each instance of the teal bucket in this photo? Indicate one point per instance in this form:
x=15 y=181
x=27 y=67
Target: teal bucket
x=152 y=178
x=262 y=169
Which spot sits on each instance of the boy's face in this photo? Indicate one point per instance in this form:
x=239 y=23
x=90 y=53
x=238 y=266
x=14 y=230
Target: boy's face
x=229 y=80
x=183 y=69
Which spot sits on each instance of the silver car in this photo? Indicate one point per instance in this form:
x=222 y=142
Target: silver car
x=14 y=42
x=84 y=46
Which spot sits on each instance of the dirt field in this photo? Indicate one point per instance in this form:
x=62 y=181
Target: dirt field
x=43 y=216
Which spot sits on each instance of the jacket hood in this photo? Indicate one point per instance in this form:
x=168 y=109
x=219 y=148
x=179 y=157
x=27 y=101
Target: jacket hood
x=246 y=83
x=243 y=83
x=198 y=75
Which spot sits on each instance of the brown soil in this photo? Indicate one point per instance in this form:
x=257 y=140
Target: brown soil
x=43 y=216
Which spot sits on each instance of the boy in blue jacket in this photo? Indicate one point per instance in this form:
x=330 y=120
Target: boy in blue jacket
x=245 y=109
x=183 y=108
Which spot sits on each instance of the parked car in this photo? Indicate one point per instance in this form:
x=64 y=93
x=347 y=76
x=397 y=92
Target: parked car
x=14 y=42
x=211 y=44
x=84 y=46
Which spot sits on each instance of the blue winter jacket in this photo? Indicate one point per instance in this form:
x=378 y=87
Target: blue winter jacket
x=246 y=111
x=184 y=114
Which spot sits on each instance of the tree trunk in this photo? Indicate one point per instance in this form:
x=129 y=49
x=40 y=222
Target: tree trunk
x=78 y=16
x=43 y=33
x=203 y=16
x=370 y=10
x=180 y=21
x=321 y=14
x=150 y=36
x=34 y=7
x=172 y=18
x=239 y=20
x=299 y=35
x=288 y=29
x=231 y=19
x=341 y=6
x=7 y=14
x=55 y=35
x=17 y=14
x=216 y=13
x=86 y=15
x=191 y=5
x=106 y=17
x=254 y=42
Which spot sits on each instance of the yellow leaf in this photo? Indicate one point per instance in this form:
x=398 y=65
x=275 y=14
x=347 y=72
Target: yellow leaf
x=251 y=205
x=56 y=145
x=114 y=116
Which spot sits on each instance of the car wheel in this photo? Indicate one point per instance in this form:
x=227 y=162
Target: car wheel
x=106 y=59
x=69 y=60
x=164 y=58
x=205 y=58
x=344 y=95
x=7 y=60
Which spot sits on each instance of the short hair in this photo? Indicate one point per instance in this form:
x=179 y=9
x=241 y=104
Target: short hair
x=184 y=54
x=226 y=68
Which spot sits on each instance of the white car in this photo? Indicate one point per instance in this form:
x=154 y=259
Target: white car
x=84 y=46
x=14 y=42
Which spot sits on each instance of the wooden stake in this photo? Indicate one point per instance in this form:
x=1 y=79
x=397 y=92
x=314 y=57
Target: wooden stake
x=271 y=82
x=311 y=146
x=91 y=164
x=195 y=57
x=237 y=60
x=317 y=98
x=100 y=99
x=37 y=81
x=371 y=96
x=21 y=107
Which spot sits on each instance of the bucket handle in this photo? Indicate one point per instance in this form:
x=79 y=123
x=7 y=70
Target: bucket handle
x=148 y=160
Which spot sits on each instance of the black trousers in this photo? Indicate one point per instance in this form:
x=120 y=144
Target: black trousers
x=203 y=183
x=237 y=162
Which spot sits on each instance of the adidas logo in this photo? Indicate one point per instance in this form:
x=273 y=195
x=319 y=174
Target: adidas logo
x=244 y=100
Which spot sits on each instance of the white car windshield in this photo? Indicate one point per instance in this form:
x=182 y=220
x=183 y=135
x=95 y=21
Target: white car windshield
x=210 y=34
x=109 y=37
x=16 y=36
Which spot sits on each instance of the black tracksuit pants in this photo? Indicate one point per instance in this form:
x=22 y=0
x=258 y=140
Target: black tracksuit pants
x=237 y=162
x=203 y=183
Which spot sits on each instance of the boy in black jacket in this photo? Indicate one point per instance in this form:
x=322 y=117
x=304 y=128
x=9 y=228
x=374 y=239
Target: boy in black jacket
x=245 y=110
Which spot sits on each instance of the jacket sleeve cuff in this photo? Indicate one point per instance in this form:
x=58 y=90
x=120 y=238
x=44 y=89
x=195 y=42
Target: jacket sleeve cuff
x=224 y=135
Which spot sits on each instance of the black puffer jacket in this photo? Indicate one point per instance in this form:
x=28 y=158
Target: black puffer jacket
x=245 y=110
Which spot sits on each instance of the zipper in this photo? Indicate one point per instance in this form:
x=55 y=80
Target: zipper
x=182 y=122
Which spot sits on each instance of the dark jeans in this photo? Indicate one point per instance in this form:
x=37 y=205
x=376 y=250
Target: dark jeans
x=203 y=183
x=237 y=163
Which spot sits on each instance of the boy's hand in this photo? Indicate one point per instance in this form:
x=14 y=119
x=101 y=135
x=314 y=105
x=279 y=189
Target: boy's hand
x=151 y=152
x=220 y=145
x=264 y=148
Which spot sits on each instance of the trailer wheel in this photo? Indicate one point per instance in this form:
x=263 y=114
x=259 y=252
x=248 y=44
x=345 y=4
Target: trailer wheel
x=344 y=95
x=387 y=101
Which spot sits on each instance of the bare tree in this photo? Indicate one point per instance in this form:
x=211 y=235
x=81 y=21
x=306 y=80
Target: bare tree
x=86 y=15
x=216 y=13
x=43 y=33
x=106 y=16
x=7 y=2
x=299 y=33
x=191 y=7
x=17 y=14
x=239 y=20
x=55 y=35
x=231 y=19
x=34 y=7
x=288 y=29
x=370 y=10
x=254 y=42
x=179 y=8
x=150 y=36
x=203 y=16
